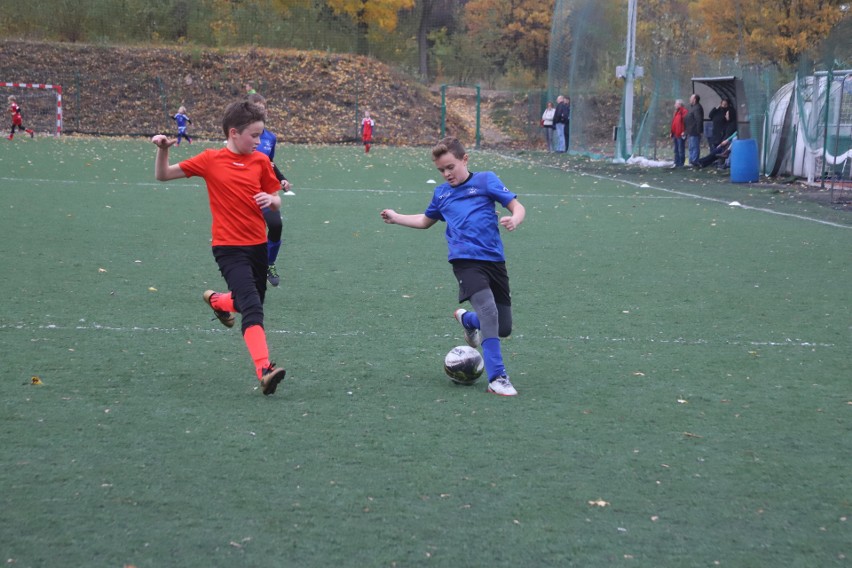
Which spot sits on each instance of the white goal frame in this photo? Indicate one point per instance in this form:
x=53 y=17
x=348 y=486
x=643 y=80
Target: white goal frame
x=57 y=89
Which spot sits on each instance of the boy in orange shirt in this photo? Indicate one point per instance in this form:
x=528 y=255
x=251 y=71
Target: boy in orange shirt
x=240 y=183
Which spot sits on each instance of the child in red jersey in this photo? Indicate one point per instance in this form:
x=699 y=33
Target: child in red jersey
x=17 y=119
x=240 y=183
x=367 y=125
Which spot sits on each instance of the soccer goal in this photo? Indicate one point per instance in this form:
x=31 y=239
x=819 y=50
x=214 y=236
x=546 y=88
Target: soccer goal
x=41 y=105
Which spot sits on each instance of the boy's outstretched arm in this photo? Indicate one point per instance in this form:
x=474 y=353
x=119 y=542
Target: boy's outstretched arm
x=419 y=221
x=518 y=211
x=162 y=170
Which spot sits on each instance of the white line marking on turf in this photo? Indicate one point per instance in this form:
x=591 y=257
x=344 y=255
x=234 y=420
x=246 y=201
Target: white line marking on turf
x=786 y=342
x=644 y=185
x=87 y=182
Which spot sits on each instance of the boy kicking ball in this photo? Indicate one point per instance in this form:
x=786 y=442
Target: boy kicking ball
x=466 y=203
x=240 y=183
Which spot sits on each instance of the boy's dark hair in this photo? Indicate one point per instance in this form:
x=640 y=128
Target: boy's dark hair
x=448 y=145
x=240 y=114
x=256 y=99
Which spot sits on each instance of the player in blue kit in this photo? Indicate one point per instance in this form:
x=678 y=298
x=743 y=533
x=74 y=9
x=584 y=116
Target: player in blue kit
x=274 y=223
x=182 y=120
x=466 y=203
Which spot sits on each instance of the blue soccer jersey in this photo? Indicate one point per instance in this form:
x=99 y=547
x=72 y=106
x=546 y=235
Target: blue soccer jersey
x=267 y=144
x=181 y=120
x=473 y=229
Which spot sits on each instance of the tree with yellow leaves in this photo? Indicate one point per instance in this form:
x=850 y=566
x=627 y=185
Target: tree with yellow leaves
x=775 y=31
x=367 y=14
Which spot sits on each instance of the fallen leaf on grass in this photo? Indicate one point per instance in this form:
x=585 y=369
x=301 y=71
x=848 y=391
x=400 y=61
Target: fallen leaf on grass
x=36 y=381
x=599 y=503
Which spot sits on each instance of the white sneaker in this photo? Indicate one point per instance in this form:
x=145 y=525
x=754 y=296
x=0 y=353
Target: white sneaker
x=288 y=193
x=471 y=336
x=502 y=386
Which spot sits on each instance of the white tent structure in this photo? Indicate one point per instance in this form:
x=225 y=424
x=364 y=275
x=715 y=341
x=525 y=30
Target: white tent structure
x=808 y=129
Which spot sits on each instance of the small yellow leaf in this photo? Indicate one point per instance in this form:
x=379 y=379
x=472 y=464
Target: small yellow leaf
x=36 y=381
x=151 y=289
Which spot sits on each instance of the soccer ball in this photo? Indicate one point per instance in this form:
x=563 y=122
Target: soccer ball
x=464 y=365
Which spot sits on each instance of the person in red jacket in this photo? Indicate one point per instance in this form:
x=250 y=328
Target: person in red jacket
x=240 y=183
x=17 y=119
x=679 y=134
x=367 y=125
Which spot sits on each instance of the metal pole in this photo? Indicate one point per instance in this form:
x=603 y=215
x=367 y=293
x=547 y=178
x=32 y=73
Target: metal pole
x=828 y=79
x=628 y=84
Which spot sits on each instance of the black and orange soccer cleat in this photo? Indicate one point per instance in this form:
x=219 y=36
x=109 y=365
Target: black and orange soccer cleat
x=270 y=378
x=227 y=318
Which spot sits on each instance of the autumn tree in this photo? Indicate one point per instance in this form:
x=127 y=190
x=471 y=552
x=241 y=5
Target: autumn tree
x=370 y=15
x=433 y=15
x=512 y=32
x=665 y=28
x=775 y=31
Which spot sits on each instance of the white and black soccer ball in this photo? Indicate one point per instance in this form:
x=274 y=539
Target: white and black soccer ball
x=464 y=365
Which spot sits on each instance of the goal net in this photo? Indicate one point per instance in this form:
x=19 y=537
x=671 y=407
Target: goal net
x=41 y=106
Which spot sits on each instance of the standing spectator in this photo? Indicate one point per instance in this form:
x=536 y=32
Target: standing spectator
x=719 y=117
x=678 y=134
x=17 y=119
x=547 y=124
x=367 y=125
x=694 y=123
x=274 y=223
x=182 y=120
x=560 y=121
x=240 y=182
x=567 y=118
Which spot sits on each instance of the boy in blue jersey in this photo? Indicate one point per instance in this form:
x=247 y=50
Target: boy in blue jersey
x=466 y=204
x=274 y=224
x=182 y=120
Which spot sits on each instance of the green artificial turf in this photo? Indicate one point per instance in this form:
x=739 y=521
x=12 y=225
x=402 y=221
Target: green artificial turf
x=683 y=369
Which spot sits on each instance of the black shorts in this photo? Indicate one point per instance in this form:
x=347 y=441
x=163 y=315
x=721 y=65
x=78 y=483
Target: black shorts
x=476 y=275
x=244 y=270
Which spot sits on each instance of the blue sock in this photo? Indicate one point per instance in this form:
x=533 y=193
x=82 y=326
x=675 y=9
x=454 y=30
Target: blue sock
x=272 y=248
x=493 y=358
x=470 y=320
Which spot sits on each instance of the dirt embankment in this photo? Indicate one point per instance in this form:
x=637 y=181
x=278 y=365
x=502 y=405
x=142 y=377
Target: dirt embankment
x=313 y=97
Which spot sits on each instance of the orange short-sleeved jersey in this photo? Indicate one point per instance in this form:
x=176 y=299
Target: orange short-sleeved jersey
x=232 y=181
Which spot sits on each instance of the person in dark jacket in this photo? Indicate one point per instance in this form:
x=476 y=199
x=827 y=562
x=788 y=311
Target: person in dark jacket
x=694 y=126
x=561 y=120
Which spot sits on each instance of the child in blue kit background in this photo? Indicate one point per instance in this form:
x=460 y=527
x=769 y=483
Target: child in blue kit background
x=466 y=203
x=182 y=120
x=274 y=223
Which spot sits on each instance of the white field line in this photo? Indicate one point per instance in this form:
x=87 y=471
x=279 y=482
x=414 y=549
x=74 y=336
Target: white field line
x=330 y=189
x=671 y=193
x=94 y=327
x=692 y=195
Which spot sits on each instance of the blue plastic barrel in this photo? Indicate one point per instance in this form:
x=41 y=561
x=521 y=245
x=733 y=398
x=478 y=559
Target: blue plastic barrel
x=744 y=163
